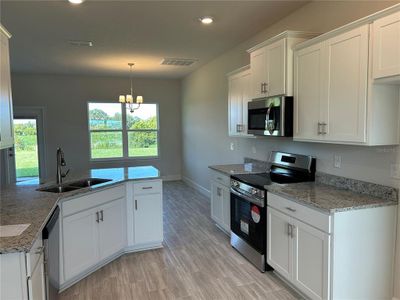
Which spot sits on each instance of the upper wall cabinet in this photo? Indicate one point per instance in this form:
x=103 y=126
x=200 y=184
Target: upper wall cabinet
x=336 y=99
x=271 y=65
x=386 y=46
x=6 y=110
x=239 y=96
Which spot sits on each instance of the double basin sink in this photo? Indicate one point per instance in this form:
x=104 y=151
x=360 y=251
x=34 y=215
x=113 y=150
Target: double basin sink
x=75 y=185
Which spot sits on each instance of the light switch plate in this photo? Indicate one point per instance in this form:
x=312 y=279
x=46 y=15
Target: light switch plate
x=337 y=161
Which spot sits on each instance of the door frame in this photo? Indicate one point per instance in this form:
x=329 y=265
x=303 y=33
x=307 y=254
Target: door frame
x=38 y=113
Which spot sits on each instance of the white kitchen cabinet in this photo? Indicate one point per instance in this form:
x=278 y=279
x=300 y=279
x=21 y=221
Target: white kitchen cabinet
x=148 y=226
x=309 y=92
x=80 y=242
x=112 y=228
x=386 y=46
x=335 y=99
x=271 y=64
x=36 y=281
x=343 y=107
x=6 y=108
x=310 y=260
x=221 y=201
x=239 y=96
x=319 y=253
x=280 y=245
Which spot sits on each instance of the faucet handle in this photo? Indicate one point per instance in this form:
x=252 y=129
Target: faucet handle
x=65 y=174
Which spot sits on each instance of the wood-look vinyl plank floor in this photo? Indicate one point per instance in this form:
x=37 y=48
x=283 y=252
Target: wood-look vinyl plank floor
x=197 y=262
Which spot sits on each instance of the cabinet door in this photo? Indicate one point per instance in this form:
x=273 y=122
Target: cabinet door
x=258 y=65
x=276 y=68
x=308 y=92
x=148 y=219
x=235 y=105
x=226 y=209
x=216 y=202
x=345 y=102
x=311 y=260
x=36 y=282
x=80 y=242
x=279 y=243
x=386 y=46
x=6 y=110
x=112 y=229
x=246 y=98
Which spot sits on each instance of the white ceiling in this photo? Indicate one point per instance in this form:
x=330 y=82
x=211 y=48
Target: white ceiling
x=130 y=31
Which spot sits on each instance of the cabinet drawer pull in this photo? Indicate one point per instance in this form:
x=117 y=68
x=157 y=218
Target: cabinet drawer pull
x=97 y=217
x=290 y=209
x=147 y=188
x=135 y=204
x=101 y=216
x=39 y=250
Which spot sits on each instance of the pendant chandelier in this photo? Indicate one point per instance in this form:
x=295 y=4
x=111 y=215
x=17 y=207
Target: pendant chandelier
x=128 y=99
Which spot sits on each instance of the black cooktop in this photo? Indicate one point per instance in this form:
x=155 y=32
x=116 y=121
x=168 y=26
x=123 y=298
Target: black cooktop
x=276 y=175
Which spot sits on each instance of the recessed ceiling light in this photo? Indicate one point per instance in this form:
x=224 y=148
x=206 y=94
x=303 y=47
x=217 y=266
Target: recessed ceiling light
x=206 y=20
x=75 y=1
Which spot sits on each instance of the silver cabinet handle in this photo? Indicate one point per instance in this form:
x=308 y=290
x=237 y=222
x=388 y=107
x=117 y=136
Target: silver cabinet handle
x=219 y=178
x=135 y=204
x=291 y=230
x=147 y=188
x=290 y=209
x=323 y=128
x=39 y=250
x=101 y=216
x=219 y=192
x=262 y=88
x=97 y=217
x=237 y=127
x=319 y=128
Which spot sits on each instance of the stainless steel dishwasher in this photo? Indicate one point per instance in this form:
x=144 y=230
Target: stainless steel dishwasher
x=50 y=235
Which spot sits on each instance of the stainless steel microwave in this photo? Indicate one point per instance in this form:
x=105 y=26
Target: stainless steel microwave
x=271 y=116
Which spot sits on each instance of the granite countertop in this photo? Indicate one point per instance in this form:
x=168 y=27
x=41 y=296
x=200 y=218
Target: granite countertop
x=235 y=169
x=23 y=204
x=326 y=198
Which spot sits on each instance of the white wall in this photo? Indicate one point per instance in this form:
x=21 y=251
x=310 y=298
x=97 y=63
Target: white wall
x=205 y=106
x=65 y=98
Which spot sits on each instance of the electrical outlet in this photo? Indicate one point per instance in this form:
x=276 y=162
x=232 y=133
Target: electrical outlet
x=337 y=161
x=232 y=147
x=395 y=171
x=254 y=150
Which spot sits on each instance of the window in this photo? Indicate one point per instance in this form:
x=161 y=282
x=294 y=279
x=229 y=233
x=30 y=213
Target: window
x=116 y=133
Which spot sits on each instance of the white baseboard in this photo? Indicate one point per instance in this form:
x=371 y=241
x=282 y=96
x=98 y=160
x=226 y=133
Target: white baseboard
x=394 y=298
x=197 y=187
x=171 y=177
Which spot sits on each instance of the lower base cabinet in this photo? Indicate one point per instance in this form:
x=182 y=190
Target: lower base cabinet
x=221 y=201
x=344 y=255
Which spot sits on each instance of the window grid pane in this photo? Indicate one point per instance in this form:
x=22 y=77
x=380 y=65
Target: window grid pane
x=106 y=144
x=105 y=116
x=142 y=143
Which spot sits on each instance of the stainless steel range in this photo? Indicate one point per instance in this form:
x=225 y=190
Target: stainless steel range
x=249 y=203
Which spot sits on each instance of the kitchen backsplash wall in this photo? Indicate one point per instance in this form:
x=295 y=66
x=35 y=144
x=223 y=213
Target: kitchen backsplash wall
x=205 y=108
x=64 y=99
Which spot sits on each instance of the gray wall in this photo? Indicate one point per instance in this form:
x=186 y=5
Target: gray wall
x=65 y=98
x=205 y=107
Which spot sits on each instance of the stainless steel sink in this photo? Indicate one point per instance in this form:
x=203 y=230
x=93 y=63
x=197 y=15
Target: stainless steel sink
x=75 y=185
x=87 y=182
x=59 y=189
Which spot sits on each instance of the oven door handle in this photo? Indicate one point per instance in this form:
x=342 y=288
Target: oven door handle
x=247 y=198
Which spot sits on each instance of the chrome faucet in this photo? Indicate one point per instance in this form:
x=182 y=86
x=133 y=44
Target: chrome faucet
x=60 y=163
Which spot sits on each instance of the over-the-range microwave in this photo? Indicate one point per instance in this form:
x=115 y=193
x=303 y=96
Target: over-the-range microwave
x=272 y=116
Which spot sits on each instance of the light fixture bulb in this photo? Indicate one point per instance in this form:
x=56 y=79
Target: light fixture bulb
x=139 y=99
x=206 y=20
x=75 y=1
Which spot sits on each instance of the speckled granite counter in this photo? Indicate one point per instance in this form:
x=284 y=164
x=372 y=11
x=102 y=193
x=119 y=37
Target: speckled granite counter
x=326 y=198
x=22 y=204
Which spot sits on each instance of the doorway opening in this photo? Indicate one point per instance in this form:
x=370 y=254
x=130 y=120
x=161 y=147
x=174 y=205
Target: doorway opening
x=26 y=149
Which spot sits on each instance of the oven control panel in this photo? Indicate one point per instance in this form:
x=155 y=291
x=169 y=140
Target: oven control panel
x=248 y=191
